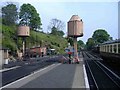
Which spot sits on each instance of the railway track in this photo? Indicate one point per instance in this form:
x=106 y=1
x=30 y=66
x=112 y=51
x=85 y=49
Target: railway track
x=99 y=75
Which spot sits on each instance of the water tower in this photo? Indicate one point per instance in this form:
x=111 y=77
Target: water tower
x=24 y=31
x=75 y=30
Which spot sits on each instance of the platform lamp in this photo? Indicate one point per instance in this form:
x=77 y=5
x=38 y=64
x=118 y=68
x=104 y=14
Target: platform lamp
x=75 y=30
x=24 y=31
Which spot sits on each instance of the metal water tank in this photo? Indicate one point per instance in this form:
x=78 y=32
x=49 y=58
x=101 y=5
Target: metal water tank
x=75 y=26
x=23 y=31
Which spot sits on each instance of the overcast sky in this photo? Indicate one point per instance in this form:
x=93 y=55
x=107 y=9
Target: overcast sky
x=96 y=14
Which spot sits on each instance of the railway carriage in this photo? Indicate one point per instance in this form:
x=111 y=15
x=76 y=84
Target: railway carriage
x=110 y=50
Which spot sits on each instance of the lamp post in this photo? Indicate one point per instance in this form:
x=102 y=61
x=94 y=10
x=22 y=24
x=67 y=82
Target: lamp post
x=75 y=30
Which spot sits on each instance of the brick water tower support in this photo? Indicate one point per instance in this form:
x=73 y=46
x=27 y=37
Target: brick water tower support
x=75 y=30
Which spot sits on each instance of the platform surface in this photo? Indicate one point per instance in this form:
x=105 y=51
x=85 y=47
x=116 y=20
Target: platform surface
x=62 y=76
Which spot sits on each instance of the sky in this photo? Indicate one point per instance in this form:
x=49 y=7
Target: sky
x=96 y=14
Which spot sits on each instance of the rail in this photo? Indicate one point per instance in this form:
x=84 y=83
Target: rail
x=102 y=77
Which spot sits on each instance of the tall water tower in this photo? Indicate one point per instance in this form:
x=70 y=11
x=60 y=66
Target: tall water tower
x=75 y=29
x=24 y=31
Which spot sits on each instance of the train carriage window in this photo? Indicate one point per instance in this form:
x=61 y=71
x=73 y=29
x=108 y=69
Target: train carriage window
x=118 y=48
x=111 y=48
x=108 y=48
x=102 y=48
x=105 y=49
x=115 y=48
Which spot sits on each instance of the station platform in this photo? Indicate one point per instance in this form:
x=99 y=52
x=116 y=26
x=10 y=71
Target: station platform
x=55 y=76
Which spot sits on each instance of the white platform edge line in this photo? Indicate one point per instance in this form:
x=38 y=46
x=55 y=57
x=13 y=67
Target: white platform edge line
x=86 y=78
x=28 y=76
x=6 y=69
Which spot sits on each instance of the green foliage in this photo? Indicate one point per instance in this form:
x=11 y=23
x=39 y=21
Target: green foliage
x=90 y=43
x=48 y=40
x=100 y=36
x=56 y=26
x=60 y=33
x=9 y=14
x=56 y=32
x=70 y=40
x=9 y=43
x=35 y=39
x=80 y=44
x=8 y=40
x=29 y=16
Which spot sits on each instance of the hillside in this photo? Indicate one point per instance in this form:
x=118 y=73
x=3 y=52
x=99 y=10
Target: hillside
x=14 y=43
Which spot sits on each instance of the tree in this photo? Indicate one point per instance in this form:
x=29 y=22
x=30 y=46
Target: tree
x=9 y=14
x=29 y=16
x=70 y=40
x=61 y=33
x=90 y=43
x=57 y=33
x=80 y=44
x=100 y=36
x=56 y=26
x=54 y=31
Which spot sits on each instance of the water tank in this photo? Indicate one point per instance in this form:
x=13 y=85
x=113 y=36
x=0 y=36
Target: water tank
x=23 y=31
x=75 y=26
